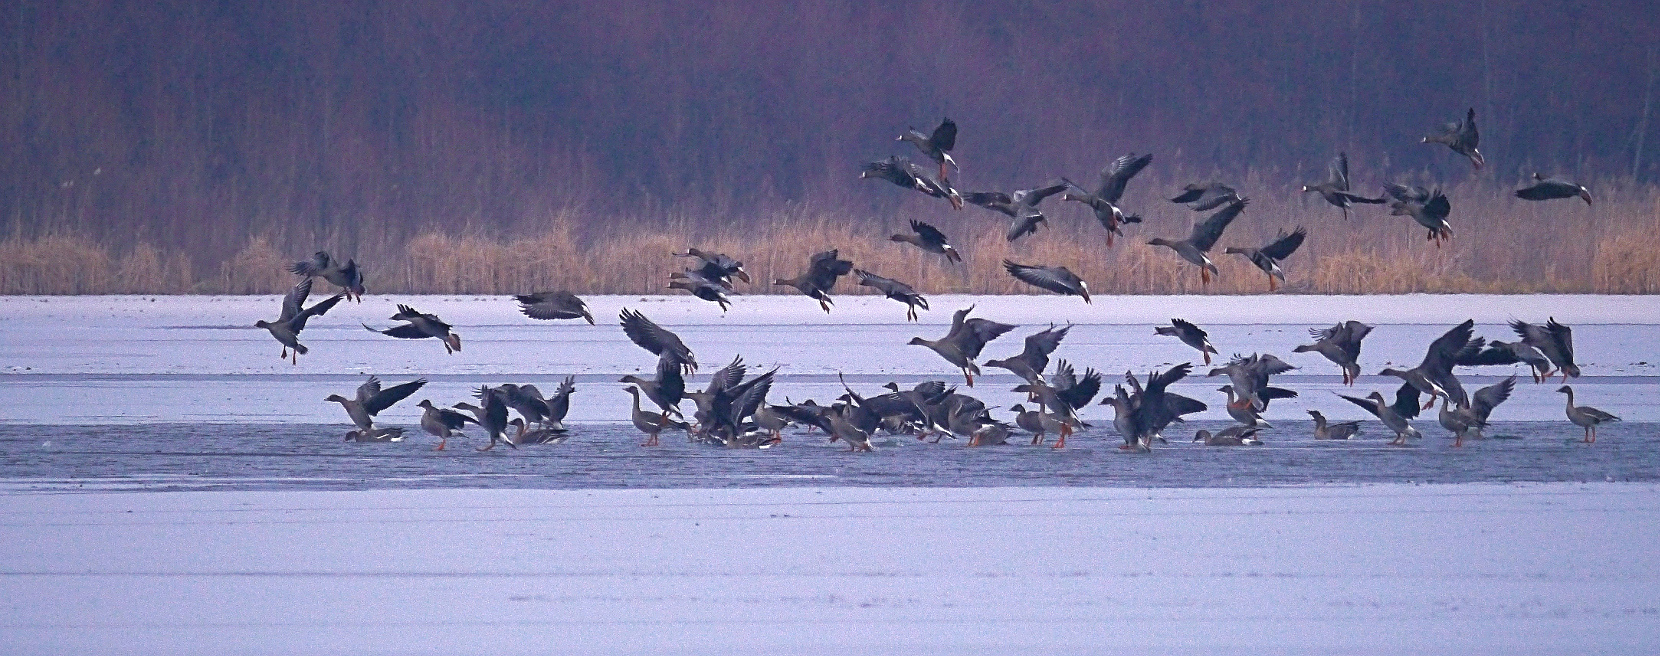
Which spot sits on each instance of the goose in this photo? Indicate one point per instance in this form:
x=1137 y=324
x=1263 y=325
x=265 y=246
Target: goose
x=930 y=239
x=1461 y=137
x=1397 y=417
x=1340 y=344
x=1203 y=237
x=1468 y=420
x=1268 y=257
x=1243 y=412
x=548 y=412
x=1141 y=415
x=553 y=305
x=964 y=342
x=1034 y=358
x=1206 y=196
x=661 y=342
x=286 y=329
x=1021 y=206
x=1335 y=188
x=1230 y=436
x=442 y=423
x=1341 y=430
x=1501 y=353
x=348 y=277
x=1551 y=189
x=1062 y=410
x=1585 y=416
x=1057 y=279
x=421 y=326
x=667 y=389
x=1189 y=334
x=895 y=290
x=905 y=173
x=1433 y=376
x=652 y=423
x=716 y=266
x=844 y=427
x=712 y=290
x=1249 y=377
x=1104 y=200
x=492 y=417
x=1037 y=422
x=1429 y=208
x=542 y=435
x=936 y=145
x=389 y=434
x=820 y=277
x=371 y=399
x=1553 y=340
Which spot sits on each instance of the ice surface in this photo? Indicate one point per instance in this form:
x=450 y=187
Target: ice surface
x=1462 y=569
x=95 y=360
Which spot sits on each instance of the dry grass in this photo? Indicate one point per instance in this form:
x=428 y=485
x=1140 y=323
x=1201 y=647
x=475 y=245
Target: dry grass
x=1501 y=246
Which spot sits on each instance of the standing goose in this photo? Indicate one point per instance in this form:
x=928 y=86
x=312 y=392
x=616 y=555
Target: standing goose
x=371 y=399
x=667 y=389
x=820 y=277
x=1243 y=412
x=937 y=145
x=442 y=423
x=1461 y=137
x=1341 y=345
x=895 y=290
x=1335 y=189
x=716 y=266
x=963 y=343
x=1467 y=421
x=652 y=423
x=553 y=305
x=1206 y=196
x=1551 y=189
x=1203 y=237
x=1429 y=208
x=905 y=173
x=1396 y=417
x=286 y=329
x=929 y=238
x=1104 y=200
x=1031 y=361
x=421 y=326
x=1341 y=430
x=1057 y=279
x=661 y=342
x=1585 y=416
x=1190 y=335
x=1268 y=257
x=1021 y=207
x=1037 y=422
x=1433 y=376
x=345 y=276
x=1554 y=340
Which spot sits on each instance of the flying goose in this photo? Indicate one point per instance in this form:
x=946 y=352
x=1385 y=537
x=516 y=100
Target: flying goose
x=895 y=290
x=1461 y=137
x=1501 y=353
x=1249 y=377
x=1433 y=376
x=1057 y=279
x=1429 y=208
x=421 y=326
x=1190 y=335
x=1031 y=361
x=905 y=173
x=1341 y=345
x=658 y=340
x=1203 y=237
x=1142 y=414
x=929 y=238
x=553 y=305
x=1104 y=200
x=1554 y=340
x=1335 y=188
x=963 y=343
x=936 y=145
x=1585 y=416
x=1021 y=206
x=371 y=399
x=286 y=329
x=345 y=276
x=709 y=289
x=493 y=416
x=823 y=269
x=1552 y=188
x=1268 y=257
x=1206 y=196
x=716 y=266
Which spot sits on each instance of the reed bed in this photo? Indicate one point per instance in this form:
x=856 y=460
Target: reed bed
x=1501 y=245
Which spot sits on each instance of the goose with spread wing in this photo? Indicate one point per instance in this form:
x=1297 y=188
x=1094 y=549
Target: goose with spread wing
x=964 y=342
x=930 y=239
x=1429 y=208
x=823 y=269
x=1466 y=421
x=421 y=326
x=553 y=305
x=371 y=399
x=1461 y=137
x=1206 y=196
x=935 y=145
x=1030 y=362
x=658 y=340
x=1434 y=376
x=286 y=329
x=1203 y=237
x=1335 y=188
x=1554 y=340
x=1397 y=416
x=1189 y=334
x=1104 y=200
x=1340 y=344
x=895 y=290
x=1057 y=279
x=1269 y=256
x=1021 y=206
x=716 y=266
x=348 y=277
x=905 y=173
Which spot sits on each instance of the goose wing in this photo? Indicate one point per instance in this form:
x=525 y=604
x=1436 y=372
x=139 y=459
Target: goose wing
x=655 y=338
x=1206 y=232
x=1117 y=175
x=1285 y=245
x=1055 y=279
x=928 y=233
x=1489 y=397
x=944 y=136
x=384 y=399
x=294 y=299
